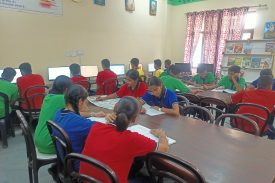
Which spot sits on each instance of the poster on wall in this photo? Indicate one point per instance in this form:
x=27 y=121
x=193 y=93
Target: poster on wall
x=153 y=7
x=269 y=30
x=40 y=6
x=99 y=2
x=130 y=5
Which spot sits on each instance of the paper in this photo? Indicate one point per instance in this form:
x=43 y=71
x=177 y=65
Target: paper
x=107 y=104
x=101 y=120
x=150 y=111
x=146 y=132
x=229 y=91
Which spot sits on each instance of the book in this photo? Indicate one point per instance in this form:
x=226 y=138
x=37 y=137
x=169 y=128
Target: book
x=230 y=61
x=229 y=48
x=266 y=63
x=238 y=61
x=269 y=47
x=238 y=48
x=246 y=62
x=255 y=62
x=247 y=48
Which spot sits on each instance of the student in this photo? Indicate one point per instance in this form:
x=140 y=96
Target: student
x=172 y=82
x=76 y=76
x=263 y=95
x=116 y=146
x=203 y=77
x=232 y=81
x=133 y=87
x=158 y=70
x=7 y=88
x=161 y=98
x=167 y=64
x=27 y=80
x=104 y=75
x=76 y=126
x=264 y=72
x=134 y=65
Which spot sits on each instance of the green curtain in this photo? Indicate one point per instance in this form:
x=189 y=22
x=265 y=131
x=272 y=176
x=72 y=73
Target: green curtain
x=179 y=2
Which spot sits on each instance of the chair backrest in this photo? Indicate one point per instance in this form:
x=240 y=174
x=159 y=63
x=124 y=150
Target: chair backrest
x=34 y=94
x=5 y=100
x=161 y=165
x=27 y=132
x=74 y=176
x=241 y=120
x=197 y=112
x=85 y=83
x=110 y=86
x=259 y=119
x=183 y=101
x=193 y=99
x=214 y=101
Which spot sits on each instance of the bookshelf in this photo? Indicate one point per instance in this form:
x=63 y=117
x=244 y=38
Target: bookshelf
x=251 y=55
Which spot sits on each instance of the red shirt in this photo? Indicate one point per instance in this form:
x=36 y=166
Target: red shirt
x=262 y=97
x=103 y=76
x=115 y=149
x=81 y=80
x=126 y=90
x=27 y=81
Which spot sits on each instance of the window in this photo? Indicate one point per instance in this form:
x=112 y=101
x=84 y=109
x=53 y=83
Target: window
x=196 y=60
x=249 y=25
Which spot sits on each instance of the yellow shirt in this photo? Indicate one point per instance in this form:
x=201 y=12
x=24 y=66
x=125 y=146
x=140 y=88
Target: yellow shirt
x=157 y=73
x=140 y=72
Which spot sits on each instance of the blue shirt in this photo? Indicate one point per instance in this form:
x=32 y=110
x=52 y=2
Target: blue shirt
x=255 y=83
x=167 y=99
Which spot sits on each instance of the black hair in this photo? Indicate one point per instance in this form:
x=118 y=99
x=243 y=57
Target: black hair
x=154 y=81
x=75 y=69
x=8 y=74
x=265 y=72
x=235 y=69
x=174 y=69
x=135 y=62
x=167 y=61
x=126 y=109
x=157 y=62
x=133 y=74
x=201 y=68
x=265 y=82
x=105 y=63
x=74 y=94
x=26 y=68
x=60 y=84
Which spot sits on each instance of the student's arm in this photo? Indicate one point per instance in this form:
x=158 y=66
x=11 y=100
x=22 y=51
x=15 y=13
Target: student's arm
x=211 y=86
x=111 y=96
x=182 y=87
x=175 y=111
x=163 y=145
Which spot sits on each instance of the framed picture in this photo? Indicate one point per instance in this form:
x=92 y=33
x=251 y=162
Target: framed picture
x=130 y=5
x=153 y=7
x=99 y=2
x=269 y=30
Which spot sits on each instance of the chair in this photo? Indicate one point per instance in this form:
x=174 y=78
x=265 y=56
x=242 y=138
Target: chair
x=258 y=119
x=241 y=119
x=85 y=83
x=110 y=86
x=73 y=176
x=5 y=123
x=62 y=145
x=214 y=104
x=161 y=165
x=35 y=158
x=197 y=112
x=193 y=99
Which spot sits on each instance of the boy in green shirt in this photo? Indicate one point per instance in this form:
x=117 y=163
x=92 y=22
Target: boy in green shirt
x=203 y=77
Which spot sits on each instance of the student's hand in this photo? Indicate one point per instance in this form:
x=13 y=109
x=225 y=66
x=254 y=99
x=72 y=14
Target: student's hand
x=156 y=108
x=143 y=110
x=205 y=87
x=98 y=114
x=100 y=98
x=196 y=91
x=110 y=118
x=158 y=132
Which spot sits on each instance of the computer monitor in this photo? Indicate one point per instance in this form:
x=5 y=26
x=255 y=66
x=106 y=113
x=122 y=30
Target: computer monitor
x=151 y=68
x=18 y=74
x=184 y=67
x=139 y=66
x=209 y=67
x=119 y=69
x=54 y=72
x=89 y=71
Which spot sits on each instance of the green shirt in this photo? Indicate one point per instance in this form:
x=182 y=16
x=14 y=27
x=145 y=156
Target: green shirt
x=11 y=91
x=228 y=84
x=174 y=84
x=209 y=79
x=164 y=73
x=42 y=138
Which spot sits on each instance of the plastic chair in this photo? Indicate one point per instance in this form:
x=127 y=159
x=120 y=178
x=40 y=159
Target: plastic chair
x=241 y=119
x=76 y=177
x=197 y=112
x=35 y=158
x=110 y=86
x=161 y=165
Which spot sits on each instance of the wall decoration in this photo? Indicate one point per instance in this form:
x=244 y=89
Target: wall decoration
x=130 y=5
x=153 y=7
x=269 y=30
x=99 y=2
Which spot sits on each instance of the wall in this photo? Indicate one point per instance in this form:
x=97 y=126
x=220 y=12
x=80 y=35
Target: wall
x=178 y=17
x=101 y=32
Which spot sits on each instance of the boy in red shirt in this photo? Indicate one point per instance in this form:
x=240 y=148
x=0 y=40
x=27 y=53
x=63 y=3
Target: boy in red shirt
x=263 y=95
x=76 y=76
x=27 y=80
x=103 y=76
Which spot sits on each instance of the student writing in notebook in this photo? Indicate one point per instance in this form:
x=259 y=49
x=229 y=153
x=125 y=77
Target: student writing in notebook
x=116 y=146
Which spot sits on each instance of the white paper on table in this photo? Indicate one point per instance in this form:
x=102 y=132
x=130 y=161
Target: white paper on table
x=107 y=104
x=142 y=130
x=218 y=90
x=230 y=91
x=150 y=111
x=101 y=120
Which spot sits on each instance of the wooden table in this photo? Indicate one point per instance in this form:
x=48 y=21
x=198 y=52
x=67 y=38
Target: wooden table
x=214 y=94
x=223 y=155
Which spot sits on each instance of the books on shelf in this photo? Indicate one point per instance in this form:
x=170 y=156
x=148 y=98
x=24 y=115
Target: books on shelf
x=238 y=48
x=270 y=47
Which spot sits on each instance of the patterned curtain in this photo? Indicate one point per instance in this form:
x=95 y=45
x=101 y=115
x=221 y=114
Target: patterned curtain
x=194 y=27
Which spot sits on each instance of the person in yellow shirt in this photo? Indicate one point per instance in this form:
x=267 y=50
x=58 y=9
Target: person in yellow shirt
x=157 y=65
x=134 y=65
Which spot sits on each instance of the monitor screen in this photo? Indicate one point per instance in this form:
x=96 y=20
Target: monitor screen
x=119 y=69
x=210 y=67
x=139 y=66
x=151 y=68
x=54 y=72
x=89 y=71
x=184 y=67
x=18 y=74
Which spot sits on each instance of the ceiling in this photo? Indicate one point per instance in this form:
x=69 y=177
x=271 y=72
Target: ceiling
x=179 y=2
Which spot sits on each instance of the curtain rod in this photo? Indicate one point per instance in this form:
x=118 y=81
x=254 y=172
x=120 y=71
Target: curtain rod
x=259 y=6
